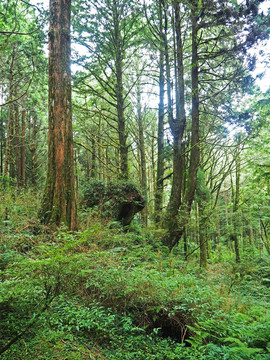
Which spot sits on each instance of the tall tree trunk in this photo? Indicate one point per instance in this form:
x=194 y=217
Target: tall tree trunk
x=59 y=203
x=161 y=114
x=17 y=145
x=93 y=160
x=142 y=152
x=177 y=126
x=177 y=228
x=202 y=238
x=120 y=94
x=87 y=165
x=2 y=137
x=195 y=150
x=9 y=165
x=22 y=153
x=33 y=148
x=234 y=236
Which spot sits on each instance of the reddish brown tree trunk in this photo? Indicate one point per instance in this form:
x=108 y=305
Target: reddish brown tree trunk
x=59 y=204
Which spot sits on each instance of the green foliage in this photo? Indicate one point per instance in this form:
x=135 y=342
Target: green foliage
x=119 y=201
x=116 y=295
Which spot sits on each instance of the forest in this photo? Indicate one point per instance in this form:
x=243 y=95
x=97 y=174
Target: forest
x=134 y=179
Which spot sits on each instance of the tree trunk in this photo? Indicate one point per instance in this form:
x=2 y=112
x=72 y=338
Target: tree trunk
x=9 y=165
x=93 y=160
x=119 y=91
x=22 y=153
x=202 y=238
x=17 y=145
x=177 y=127
x=142 y=152
x=234 y=236
x=195 y=150
x=161 y=114
x=59 y=204
x=33 y=148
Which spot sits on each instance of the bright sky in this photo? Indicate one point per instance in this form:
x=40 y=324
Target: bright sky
x=263 y=62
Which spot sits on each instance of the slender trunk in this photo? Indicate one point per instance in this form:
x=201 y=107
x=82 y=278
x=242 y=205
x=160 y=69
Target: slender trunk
x=142 y=152
x=2 y=137
x=9 y=168
x=108 y=177
x=161 y=114
x=234 y=236
x=17 y=146
x=93 y=159
x=195 y=150
x=87 y=165
x=23 y=149
x=177 y=127
x=185 y=244
x=1 y=157
x=33 y=149
x=120 y=95
x=264 y=237
x=202 y=237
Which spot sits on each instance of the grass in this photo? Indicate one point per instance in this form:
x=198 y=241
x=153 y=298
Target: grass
x=105 y=294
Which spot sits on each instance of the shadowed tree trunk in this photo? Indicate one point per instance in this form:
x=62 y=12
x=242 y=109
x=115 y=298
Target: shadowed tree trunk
x=119 y=91
x=17 y=145
x=161 y=114
x=93 y=160
x=176 y=227
x=22 y=153
x=177 y=126
x=234 y=235
x=9 y=165
x=142 y=152
x=59 y=204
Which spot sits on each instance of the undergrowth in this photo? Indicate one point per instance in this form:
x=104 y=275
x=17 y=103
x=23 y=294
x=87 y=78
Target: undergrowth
x=105 y=294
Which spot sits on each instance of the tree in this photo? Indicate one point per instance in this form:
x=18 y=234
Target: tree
x=59 y=203
x=109 y=33
x=22 y=78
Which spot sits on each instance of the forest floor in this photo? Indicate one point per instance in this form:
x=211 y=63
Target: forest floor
x=101 y=293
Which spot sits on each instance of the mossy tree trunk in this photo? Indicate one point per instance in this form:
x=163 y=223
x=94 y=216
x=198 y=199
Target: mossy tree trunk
x=59 y=204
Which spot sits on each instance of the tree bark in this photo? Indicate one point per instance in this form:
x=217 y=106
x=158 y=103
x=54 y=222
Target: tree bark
x=176 y=227
x=93 y=160
x=59 y=203
x=202 y=238
x=9 y=165
x=161 y=113
x=142 y=152
x=234 y=236
x=22 y=153
x=119 y=91
x=17 y=145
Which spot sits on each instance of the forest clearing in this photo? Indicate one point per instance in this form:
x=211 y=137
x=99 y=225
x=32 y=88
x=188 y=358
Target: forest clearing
x=134 y=180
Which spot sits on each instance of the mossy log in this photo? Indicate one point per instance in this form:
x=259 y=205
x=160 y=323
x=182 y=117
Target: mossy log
x=119 y=201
